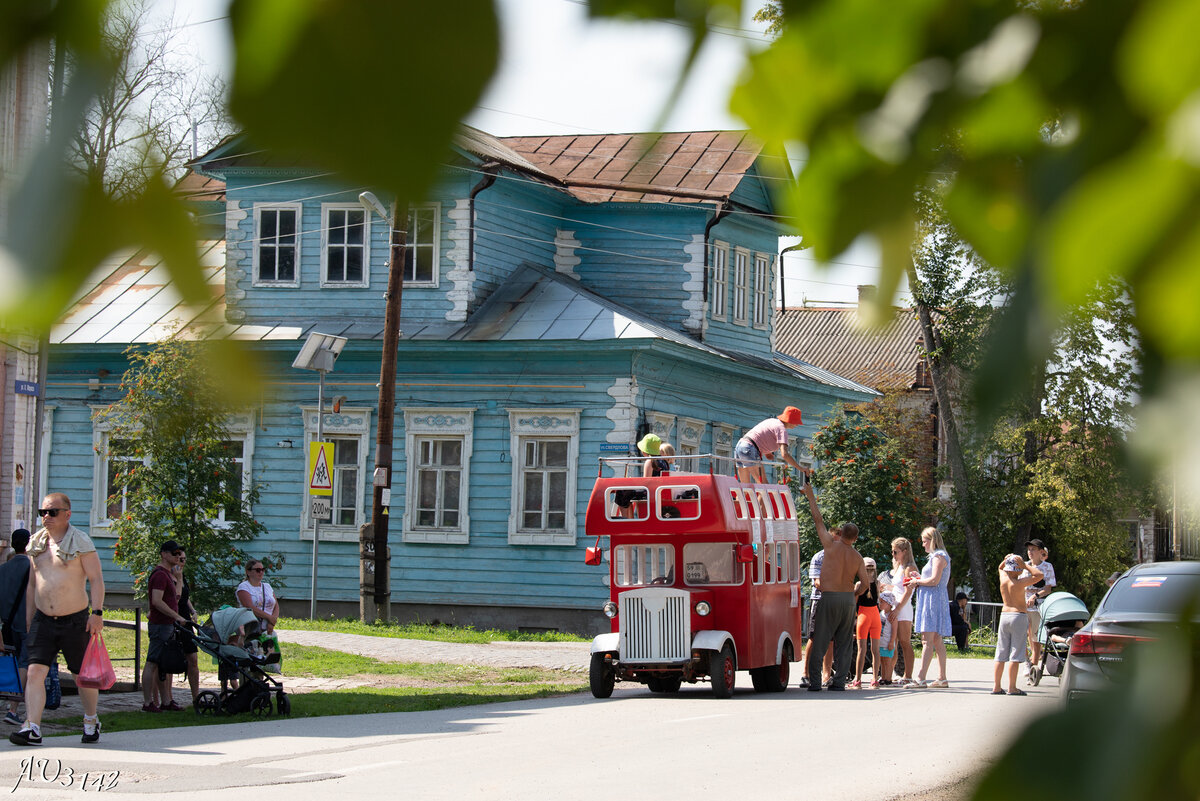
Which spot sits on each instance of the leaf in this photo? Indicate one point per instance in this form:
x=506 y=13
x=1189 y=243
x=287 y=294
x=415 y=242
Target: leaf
x=1158 y=62
x=371 y=90
x=1108 y=224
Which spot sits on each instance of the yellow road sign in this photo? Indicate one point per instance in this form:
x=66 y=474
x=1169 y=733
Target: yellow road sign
x=320 y=468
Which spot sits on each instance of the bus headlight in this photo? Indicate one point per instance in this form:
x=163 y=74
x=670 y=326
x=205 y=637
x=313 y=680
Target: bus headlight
x=610 y=609
x=703 y=608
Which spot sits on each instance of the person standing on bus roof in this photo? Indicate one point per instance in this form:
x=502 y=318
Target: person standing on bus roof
x=761 y=442
x=840 y=568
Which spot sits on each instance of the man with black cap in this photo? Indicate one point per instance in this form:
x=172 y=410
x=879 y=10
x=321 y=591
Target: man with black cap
x=1037 y=551
x=164 y=612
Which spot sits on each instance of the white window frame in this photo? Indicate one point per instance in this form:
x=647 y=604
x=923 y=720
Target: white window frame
x=762 y=293
x=662 y=425
x=435 y=246
x=724 y=438
x=525 y=424
x=718 y=303
x=259 y=208
x=349 y=423
x=691 y=437
x=741 y=285
x=423 y=423
x=240 y=426
x=326 y=281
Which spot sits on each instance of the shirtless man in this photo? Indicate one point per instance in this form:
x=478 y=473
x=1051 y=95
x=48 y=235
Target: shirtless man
x=1014 y=623
x=64 y=562
x=834 y=618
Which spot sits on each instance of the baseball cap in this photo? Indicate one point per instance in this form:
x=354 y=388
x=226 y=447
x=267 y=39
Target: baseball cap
x=869 y=562
x=1011 y=564
x=1036 y=544
x=170 y=546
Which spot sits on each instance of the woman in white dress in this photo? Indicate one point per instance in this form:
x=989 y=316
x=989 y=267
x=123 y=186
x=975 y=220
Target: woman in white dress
x=902 y=614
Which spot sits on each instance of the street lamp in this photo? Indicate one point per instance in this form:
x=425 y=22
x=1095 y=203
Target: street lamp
x=319 y=352
x=397 y=238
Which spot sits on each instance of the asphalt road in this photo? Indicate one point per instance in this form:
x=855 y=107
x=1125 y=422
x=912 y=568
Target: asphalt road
x=865 y=746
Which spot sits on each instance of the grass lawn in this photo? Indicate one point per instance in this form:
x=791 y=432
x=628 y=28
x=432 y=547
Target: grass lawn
x=409 y=687
x=424 y=631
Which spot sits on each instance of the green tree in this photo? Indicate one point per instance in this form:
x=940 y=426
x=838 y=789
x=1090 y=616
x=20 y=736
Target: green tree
x=865 y=480
x=174 y=472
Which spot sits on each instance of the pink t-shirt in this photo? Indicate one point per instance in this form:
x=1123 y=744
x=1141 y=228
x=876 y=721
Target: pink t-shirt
x=768 y=435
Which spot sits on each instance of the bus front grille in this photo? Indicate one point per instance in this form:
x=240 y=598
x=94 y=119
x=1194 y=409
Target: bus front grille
x=655 y=626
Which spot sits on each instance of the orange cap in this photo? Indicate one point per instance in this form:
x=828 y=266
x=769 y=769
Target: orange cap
x=791 y=416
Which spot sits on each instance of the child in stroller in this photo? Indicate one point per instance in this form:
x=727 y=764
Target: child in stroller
x=1062 y=615
x=245 y=686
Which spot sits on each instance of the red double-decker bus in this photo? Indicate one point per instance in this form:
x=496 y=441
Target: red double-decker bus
x=704 y=578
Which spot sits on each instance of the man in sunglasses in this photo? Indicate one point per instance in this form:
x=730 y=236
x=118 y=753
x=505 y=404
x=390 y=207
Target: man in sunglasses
x=64 y=567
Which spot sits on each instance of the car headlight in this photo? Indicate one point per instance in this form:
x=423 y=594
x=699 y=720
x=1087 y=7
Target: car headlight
x=610 y=609
x=703 y=608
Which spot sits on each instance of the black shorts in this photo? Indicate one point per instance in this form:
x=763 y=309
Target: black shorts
x=49 y=635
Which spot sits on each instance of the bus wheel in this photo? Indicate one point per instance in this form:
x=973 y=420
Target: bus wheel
x=601 y=676
x=664 y=684
x=722 y=671
x=774 y=678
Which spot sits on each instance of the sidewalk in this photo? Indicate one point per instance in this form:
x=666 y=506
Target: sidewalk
x=557 y=656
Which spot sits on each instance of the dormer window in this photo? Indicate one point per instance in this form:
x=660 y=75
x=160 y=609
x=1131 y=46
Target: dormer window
x=277 y=245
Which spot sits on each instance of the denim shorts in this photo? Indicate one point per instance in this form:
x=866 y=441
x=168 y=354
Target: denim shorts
x=746 y=453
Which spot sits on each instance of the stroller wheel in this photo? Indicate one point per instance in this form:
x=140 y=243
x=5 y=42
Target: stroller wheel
x=1035 y=675
x=261 y=705
x=207 y=703
x=282 y=703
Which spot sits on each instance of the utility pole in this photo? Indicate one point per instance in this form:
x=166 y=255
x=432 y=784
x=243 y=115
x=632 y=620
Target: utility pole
x=381 y=500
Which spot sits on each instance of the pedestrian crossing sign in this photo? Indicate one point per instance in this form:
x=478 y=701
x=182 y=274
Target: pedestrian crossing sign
x=320 y=471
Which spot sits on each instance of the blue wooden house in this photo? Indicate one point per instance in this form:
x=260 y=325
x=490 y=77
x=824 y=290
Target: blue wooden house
x=563 y=295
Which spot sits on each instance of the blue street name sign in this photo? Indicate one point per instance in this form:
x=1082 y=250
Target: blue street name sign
x=25 y=388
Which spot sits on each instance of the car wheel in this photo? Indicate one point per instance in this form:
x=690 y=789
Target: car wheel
x=722 y=671
x=601 y=676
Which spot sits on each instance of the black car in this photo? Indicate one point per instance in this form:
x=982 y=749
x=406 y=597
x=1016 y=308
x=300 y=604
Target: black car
x=1144 y=600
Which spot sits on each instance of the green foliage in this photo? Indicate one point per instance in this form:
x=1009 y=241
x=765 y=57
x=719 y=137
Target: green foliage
x=863 y=479
x=1073 y=139
x=172 y=456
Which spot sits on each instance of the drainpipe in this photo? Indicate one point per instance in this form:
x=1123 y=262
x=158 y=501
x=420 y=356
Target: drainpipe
x=489 y=177
x=782 y=295
x=721 y=213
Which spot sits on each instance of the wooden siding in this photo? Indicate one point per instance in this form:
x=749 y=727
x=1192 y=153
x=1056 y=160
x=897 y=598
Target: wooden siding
x=482 y=376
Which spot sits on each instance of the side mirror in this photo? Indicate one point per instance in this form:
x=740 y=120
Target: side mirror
x=593 y=555
x=745 y=554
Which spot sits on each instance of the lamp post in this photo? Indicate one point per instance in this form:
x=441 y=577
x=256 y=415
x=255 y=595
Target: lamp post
x=319 y=352
x=381 y=496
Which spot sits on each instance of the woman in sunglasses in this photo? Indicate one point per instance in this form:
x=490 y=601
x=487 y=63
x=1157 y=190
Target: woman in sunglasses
x=257 y=596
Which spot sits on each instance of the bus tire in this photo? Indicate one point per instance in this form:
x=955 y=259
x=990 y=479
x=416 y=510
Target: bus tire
x=774 y=678
x=664 y=684
x=601 y=676
x=722 y=671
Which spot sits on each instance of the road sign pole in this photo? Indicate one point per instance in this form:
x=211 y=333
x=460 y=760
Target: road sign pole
x=312 y=605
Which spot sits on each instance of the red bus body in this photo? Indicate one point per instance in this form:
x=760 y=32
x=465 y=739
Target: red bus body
x=704 y=579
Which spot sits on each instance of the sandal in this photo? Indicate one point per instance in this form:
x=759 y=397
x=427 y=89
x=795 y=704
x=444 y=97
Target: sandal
x=855 y=685
x=874 y=685
x=940 y=684
x=919 y=684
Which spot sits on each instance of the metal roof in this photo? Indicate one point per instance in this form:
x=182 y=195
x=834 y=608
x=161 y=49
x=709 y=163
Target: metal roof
x=129 y=299
x=833 y=339
x=689 y=167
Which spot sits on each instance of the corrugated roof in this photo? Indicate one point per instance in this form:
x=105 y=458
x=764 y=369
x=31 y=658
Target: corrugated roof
x=832 y=339
x=690 y=167
x=130 y=299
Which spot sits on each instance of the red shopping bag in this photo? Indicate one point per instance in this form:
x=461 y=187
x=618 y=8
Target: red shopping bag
x=97 y=672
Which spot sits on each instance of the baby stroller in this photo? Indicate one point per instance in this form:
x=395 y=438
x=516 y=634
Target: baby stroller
x=255 y=687
x=1062 y=615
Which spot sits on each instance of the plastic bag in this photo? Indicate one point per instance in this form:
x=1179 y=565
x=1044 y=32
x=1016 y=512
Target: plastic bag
x=97 y=671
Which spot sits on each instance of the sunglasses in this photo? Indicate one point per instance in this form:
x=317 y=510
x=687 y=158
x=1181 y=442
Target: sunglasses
x=254 y=570
x=51 y=512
